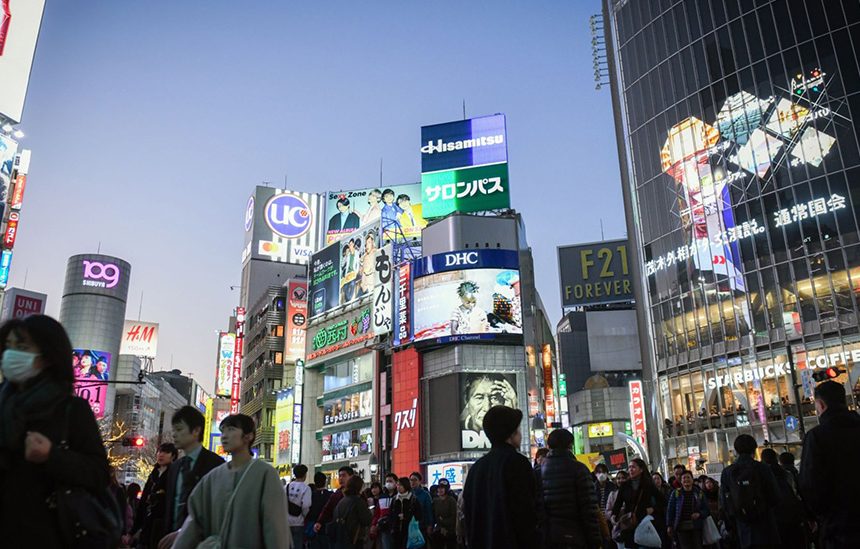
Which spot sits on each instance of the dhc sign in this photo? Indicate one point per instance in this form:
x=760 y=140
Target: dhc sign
x=461 y=258
x=288 y=215
x=466 y=259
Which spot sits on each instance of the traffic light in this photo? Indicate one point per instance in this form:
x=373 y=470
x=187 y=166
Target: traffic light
x=828 y=374
x=135 y=442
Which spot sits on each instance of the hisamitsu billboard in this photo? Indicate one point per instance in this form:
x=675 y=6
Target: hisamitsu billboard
x=594 y=273
x=464 y=143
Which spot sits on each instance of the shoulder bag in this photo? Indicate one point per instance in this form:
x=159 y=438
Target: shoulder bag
x=85 y=518
x=627 y=521
x=217 y=541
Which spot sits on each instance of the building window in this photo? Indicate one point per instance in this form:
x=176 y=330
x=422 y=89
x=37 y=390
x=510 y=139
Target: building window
x=279 y=357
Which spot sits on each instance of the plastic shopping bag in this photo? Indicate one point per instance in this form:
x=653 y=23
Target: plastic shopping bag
x=710 y=532
x=646 y=535
x=415 y=539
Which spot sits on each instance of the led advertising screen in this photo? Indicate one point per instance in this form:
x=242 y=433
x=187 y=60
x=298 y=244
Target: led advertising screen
x=348 y=408
x=8 y=148
x=466 y=190
x=467 y=295
x=398 y=208
x=344 y=271
x=5 y=266
x=283 y=426
x=347 y=444
x=224 y=375
x=478 y=393
x=19 y=29
x=92 y=369
x=297 y=318
x=282 y=226
x=97 y=274
x=139 y=339
x=594 y=273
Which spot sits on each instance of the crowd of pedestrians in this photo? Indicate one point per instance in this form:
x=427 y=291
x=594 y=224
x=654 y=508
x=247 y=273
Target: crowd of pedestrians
x=57 y=489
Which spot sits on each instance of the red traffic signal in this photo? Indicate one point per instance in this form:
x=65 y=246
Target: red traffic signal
x=136 y=442
x=828 y=374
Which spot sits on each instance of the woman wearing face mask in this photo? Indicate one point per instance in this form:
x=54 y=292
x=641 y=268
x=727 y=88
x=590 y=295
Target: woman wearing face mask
x=37 y=404
x=380 y=528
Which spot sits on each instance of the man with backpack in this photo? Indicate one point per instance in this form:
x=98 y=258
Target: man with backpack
x=748 y=494
x=298 y=504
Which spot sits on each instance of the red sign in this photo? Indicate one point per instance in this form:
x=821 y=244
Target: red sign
x=11 y=231
x=637 y=411
x=297 y=318
x=237 y=361
x=402 y=330
x=25 y=306
x=546 y=357
x=18 y=193
x=405 y=424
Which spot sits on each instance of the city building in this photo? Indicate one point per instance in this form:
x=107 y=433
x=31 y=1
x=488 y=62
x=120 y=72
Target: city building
x=736 y=129
x=18 y=303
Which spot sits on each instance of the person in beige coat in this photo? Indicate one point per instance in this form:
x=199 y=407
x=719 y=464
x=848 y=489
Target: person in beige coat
x=239 y=504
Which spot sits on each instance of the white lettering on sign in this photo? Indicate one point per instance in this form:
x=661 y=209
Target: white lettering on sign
x=462 y=258
x=404 y=419
x=461 y=189
x=443 y=146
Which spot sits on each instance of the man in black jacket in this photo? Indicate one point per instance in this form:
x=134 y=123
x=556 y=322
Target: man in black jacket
x=499 y=495
x=185 y=473
x=827 y=488
x=567 y=503
x=149 y=519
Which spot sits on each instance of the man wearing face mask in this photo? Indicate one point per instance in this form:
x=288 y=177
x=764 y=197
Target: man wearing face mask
x=37 y=412
x=381 y=526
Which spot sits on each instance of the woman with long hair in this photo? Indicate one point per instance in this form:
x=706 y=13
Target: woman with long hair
x=639 y=497
x=48 y=437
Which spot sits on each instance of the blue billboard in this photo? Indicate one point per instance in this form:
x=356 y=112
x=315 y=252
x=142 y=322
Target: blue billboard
x=464 y=143
x=5 y=264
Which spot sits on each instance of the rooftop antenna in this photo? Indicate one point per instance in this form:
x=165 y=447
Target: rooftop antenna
x=140 y=309
x=380 y=171
x=26 y=273
x=99 y=249
x=601 y=229
x=285 y=182
x=464 y=108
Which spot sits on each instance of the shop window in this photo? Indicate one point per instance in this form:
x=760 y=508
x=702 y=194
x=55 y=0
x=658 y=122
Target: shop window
x=804 y=291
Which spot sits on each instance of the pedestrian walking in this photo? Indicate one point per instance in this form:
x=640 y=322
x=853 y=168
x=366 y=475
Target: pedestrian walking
x=604 y=489
x=686 y=513
x=186 y=472
x=638 y=498
x=327 y=513
x=404 y=510
x=748 y=495
x=240 y=503
x=425 y=500
x=298 y=495
x=351 y=517
x=380 y=527
x=712 y=498
x=319 y=498
x=499 y=495
x=567 y=502
x=827 y=488
x=149 y=520
x=789 y=509
x=48 y=438
x=786 y=461
x=444 y=533
x=664 y=487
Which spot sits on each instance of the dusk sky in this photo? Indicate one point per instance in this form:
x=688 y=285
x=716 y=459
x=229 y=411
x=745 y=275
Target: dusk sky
x=151 y=122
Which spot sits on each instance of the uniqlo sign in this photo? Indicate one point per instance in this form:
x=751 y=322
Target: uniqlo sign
x=26 y=306
x=637 y=411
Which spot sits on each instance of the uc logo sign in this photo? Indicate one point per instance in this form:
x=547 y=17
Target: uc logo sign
x=249 y=214
x=288 y=215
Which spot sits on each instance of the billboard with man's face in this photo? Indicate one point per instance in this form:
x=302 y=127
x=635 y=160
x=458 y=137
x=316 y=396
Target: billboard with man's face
x=397 y=208
x=92 y=371
x=478 y=393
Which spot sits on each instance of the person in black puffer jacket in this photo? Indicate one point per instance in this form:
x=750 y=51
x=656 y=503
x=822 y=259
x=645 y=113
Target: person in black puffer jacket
x=567 y=502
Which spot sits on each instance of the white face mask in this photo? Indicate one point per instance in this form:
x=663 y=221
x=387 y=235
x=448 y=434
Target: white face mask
x=17 y=366
x=601 y=477
x=389 y=486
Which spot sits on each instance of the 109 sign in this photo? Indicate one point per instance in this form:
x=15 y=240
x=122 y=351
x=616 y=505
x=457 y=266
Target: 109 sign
x=100 y=275
x=288 y=215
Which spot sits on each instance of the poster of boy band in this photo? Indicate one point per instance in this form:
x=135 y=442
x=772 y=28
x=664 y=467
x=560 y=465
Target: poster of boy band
x=478 y=393
x=398 y=208
x=91 y=368
x=469 y=302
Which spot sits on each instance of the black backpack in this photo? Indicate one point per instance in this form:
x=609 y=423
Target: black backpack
x=292 y=508
x=747 y=493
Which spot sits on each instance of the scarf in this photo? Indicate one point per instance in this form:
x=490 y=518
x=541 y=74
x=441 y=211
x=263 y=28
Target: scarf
x=405 y=495
x=20 y=406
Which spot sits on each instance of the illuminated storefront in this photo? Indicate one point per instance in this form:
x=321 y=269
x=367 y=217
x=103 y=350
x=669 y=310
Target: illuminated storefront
x=744 y=141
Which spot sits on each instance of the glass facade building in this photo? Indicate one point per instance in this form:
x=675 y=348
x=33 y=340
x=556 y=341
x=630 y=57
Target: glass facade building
x=736 y=122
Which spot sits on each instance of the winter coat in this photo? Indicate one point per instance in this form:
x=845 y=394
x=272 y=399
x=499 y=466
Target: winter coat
x=677 y=498
x=425 y=500
x=403 y=510
x=445 y=513
x=826 y=486
x=763 y=531
x=626 y=502
x=356 y=517
x=205 y=462
x=25 y=518
x=499 y=501
x=603 y=493
x=567 y=503
x=149 y=519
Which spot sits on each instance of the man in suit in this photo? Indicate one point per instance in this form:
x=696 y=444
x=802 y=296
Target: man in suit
x=344 y=221
x=185 y=473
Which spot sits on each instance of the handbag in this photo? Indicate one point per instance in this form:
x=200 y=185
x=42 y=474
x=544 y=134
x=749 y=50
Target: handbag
x=710 y=532
x=627 y=521
x=216 y=541
x=85 y=518
x=646 y=534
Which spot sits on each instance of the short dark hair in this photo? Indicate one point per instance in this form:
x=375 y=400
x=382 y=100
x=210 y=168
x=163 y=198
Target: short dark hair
x=745 y=445
x=417 y=475
x=353 y=486
x=192 y=418
x=169 y=448
x=300 y=471
x=679 y=466
x=403 y=197
x=560 y=439
x=53 y=343
x=622 y=473
x=320 y=479
x=768 y=455
x=601 y=467
x=786 y=458
x=404 y=481
x=832 y=393
x=346 y=469
x=343 y=201
x=387 y=192
x=392 y=476
x=687 y=472
x=541 y=452
x=241 y=421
